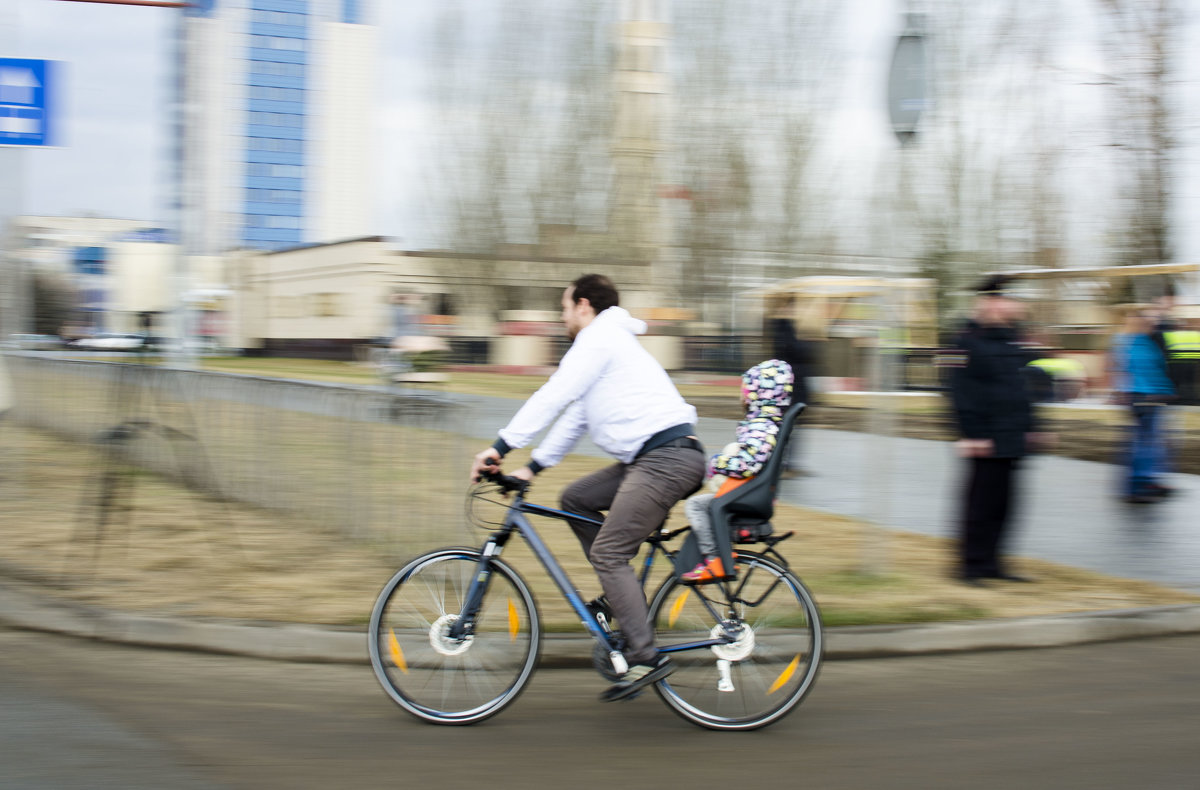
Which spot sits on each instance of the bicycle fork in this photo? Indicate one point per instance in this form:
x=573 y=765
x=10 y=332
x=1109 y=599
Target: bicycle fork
x=464 y=627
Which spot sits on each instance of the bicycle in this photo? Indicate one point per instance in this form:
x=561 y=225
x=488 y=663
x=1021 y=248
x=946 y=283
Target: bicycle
x=455 y=634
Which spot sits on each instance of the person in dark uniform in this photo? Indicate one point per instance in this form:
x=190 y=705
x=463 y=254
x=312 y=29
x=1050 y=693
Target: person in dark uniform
x=993 y=406
x=800 y=355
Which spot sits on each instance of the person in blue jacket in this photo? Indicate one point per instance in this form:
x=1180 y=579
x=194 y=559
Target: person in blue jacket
x=1141 y=382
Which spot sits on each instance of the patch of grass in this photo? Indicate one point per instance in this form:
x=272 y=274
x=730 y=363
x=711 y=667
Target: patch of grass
x=837 y=616
x=858 y=581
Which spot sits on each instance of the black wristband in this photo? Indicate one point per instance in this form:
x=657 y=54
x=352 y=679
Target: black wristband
x=534 y=466
x=501 y=447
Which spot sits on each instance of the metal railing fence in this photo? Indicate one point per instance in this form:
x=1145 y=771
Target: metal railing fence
x=373 y=464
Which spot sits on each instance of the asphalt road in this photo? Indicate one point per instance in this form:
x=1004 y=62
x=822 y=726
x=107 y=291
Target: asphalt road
x=79 y=714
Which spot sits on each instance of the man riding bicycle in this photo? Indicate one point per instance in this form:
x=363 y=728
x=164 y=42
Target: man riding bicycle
x=608 y=385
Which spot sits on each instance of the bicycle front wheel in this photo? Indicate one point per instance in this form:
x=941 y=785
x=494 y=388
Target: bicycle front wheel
x=762 y=675
x=440 y=677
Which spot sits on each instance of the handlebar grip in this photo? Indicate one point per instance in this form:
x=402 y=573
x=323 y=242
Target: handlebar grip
x=506 y=482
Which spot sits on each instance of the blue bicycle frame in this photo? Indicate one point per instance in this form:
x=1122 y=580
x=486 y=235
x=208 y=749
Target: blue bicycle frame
x=516 y=521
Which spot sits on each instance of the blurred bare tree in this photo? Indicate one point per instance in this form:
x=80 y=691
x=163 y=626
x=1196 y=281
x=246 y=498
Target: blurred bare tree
x=982 y=187
x=523 y=93
x=1137 y=39
x=753 y=80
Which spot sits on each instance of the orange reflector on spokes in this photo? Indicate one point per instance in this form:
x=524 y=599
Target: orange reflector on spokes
x=514 y=621
x=785 y=675
x=397 y=653
x=677 y=607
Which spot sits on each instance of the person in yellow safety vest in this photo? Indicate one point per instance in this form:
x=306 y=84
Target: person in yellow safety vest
x=1183 y=362
x=1066 y=376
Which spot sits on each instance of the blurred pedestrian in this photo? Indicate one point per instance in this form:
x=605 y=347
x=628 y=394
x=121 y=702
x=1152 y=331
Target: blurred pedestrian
x=800 y=354
x=402 y=318
x=1054 y=376
x=1182 y=345
x=1141 y=382
x=994 y=410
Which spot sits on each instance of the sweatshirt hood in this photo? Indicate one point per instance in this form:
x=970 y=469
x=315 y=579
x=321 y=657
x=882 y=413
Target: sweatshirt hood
x=620 y=317
x=767 y=387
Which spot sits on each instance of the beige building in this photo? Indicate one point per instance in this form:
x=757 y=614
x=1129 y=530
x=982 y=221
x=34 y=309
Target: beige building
x=329 y=298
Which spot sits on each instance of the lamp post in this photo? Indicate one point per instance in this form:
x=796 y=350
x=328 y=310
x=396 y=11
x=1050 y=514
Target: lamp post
x=907 y=100
x=180 y=354
x=13 y=296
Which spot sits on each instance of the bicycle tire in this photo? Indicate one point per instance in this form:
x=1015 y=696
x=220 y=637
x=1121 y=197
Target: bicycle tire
x=428 y=673
x=769 y=670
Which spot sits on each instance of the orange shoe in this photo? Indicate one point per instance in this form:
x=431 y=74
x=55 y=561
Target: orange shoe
x=708 y=571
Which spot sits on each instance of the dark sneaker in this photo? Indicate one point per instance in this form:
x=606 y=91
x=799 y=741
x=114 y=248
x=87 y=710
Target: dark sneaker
x=1159 y=491
x=638 y=677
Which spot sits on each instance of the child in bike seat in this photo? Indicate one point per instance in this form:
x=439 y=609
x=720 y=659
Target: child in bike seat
x=766 y=394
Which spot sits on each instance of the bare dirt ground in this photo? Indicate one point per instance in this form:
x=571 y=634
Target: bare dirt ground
x=176 y=552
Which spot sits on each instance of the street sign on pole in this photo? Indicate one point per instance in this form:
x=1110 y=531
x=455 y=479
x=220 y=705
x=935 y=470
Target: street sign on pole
x=27 y=91
x=907 y=81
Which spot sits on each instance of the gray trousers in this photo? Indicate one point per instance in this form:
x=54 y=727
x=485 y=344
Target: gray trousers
x=700 y=521
x=638 y=497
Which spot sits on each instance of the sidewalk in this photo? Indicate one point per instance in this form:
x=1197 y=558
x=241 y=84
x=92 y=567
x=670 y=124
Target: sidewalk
x=287 y=642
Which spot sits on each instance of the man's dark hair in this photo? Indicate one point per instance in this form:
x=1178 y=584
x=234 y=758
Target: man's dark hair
x=598 y=290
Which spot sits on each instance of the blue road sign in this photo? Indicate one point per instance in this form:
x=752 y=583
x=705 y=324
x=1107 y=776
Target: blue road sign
x=26 y=101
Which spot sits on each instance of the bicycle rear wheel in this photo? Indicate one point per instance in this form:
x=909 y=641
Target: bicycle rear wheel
x=757 y=679
x=424 y=668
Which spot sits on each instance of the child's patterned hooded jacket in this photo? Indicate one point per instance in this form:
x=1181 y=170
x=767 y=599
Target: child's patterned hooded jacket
x=767 y=388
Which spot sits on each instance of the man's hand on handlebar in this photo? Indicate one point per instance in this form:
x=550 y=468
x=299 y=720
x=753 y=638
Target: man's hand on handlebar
x=486 y=460
x=487 y=466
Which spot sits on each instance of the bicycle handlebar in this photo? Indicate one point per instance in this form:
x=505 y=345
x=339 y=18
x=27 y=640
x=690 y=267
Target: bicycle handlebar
x=506 y=482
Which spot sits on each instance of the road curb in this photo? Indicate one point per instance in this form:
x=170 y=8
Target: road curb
x=20 y=608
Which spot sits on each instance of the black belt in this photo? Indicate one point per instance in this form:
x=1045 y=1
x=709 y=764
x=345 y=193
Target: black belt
x=687 y=441
x=675 y=436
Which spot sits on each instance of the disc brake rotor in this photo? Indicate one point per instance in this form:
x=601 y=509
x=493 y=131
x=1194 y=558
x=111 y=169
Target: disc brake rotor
x=441 y=641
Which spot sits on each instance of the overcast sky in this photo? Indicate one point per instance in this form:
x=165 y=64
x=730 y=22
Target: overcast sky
x=113 y=148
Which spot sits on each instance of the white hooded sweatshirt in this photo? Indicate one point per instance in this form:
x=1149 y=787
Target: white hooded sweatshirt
x=610 y=386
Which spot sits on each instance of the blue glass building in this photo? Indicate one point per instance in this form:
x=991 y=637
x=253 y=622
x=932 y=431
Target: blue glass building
x=271 y=140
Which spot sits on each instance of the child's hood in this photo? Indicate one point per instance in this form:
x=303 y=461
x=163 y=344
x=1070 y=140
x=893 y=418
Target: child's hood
x=767 y=387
